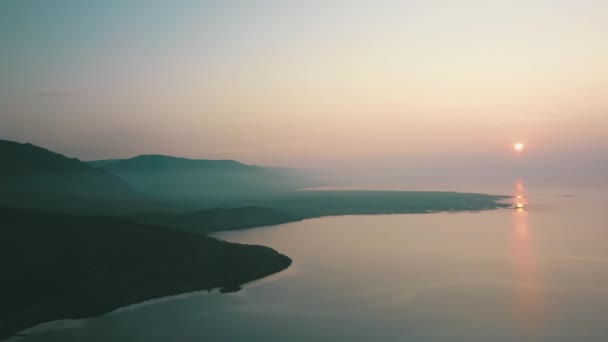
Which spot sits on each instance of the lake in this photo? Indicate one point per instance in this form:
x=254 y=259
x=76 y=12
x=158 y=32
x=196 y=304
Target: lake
x=539 y=273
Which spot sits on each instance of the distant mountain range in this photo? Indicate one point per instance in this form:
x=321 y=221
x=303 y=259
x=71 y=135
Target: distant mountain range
x=174 y=178
x=33 y=177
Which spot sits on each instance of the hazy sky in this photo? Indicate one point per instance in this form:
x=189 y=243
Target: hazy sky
x=306 y=83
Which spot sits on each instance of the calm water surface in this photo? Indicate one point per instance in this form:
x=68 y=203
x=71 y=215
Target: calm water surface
x=535 y=274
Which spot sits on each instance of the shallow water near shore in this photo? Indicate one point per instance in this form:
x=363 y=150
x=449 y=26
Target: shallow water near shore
x=537 y=273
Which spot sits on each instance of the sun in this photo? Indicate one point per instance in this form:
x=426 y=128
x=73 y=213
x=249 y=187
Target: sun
x=518 y=146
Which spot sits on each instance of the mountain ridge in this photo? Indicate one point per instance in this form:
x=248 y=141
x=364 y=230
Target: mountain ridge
x=34 y=177
x=168 y=177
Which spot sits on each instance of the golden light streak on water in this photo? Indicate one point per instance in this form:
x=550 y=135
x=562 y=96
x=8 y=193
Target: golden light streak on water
x=529 y=291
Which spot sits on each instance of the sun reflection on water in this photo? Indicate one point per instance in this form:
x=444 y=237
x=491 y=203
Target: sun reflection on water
x=529 y=289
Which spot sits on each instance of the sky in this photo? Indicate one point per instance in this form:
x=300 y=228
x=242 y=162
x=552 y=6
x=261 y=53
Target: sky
x=309 y=84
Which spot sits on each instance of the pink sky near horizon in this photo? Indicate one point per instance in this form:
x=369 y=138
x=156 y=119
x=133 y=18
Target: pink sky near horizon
x=314 y=84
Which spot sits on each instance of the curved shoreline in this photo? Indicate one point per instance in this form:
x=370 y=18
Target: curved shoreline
x=491 y=202
x=66 y=267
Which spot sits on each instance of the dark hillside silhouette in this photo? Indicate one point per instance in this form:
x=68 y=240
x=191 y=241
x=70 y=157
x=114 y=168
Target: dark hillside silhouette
x=58 y=266
x=33 y=177
x=79 y=241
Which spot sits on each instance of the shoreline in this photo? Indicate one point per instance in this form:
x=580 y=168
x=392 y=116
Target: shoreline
x=495 y=202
